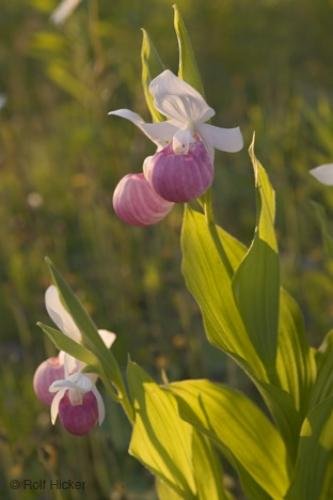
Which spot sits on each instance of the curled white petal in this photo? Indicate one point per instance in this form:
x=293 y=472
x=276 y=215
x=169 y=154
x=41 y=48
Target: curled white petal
x=55 y=405
x=93 y=377
x=107 y=337
x=178 y=100
x=224 y=139
x=181 y=141
x=100 y=404
x=61 y=357
x=128 y=115
x=59 y=315
x=323 y=174
x=76 y=381
x=71 y=364
x=64 y=10
x=160 y=133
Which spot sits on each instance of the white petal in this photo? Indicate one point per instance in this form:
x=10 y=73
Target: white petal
x=59 y=315
x=61 y=384
x=93 y=377
x=71 y=365
x=178 y=100
x=181 y=141
x=100 y=405
x=64 y=10
x=107 y=337
x=76 y=381
x=159 y=133
x=224 y=139
x=75 y=396
x=55 y=405
x=61 y=356
x=324 y=174
x=81 y=381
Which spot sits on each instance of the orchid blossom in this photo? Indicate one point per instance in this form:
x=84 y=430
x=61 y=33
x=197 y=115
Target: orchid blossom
x=77 y=401
x=187 y=113
x=59 y=381
x=137 y=203
x=183 y=166
x=64 y=321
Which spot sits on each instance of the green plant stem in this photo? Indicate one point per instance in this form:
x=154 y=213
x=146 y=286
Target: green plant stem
x=121 y=396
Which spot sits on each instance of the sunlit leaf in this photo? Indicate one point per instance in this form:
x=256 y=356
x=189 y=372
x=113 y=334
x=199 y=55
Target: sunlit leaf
x=207 y=469
x=323 y=386
x=314 y=467
x=296 y=366
x=256 y=283
x=161 y=440
x=164 y=491
x=188 y=69
x=152 y=65
x=243 y=432
x=208 y=280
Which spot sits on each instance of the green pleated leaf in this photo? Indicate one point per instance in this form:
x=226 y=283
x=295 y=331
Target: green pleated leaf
x=207 y=469
x=246 y=436
x=188 y=68
x=296 y=365
x=282 y=409
x=161 y=440
x=265 y=201
x=256 y=283
x=323 y=386
x=207 y=473
x=314 y=467
x=183 y=461
x=164 y=491
x=152 y=66
x=64 y=343
x=208 y=280
x=256 y=289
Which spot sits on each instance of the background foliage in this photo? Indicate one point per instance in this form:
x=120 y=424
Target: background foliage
x=266 y=66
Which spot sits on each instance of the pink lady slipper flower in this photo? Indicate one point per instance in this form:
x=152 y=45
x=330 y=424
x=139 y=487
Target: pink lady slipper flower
x=78 y=403
x=324 y=173
x=137 y=203
x=183 y=166
x=56 y=368
x=47 y=372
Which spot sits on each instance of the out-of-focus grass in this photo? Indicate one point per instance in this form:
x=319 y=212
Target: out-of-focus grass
x=267 y=66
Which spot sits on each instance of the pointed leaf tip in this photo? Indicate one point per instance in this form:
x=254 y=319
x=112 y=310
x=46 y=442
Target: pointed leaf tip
x=188 y=68
x=151 y=66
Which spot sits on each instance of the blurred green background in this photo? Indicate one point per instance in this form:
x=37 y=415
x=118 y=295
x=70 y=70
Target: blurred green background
x=267 y=66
